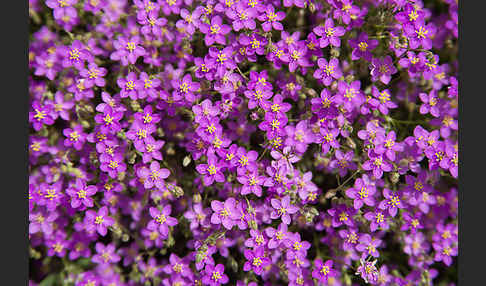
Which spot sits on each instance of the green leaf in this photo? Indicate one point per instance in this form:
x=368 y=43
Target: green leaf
x=50 y=280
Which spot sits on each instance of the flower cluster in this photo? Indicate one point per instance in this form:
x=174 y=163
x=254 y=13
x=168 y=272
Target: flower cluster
x=250 y=142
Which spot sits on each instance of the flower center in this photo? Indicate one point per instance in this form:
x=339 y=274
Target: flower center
x=211 y=169
x=329 y=70
x=216 y=276
x=74 y=54
x=394 y=201
x=108 y=119
x=271 y=16
x=74 y=136
x=147 y=83
x=161 y=219
x=379 y=218
x=99 y=219
x=113 y=164
x=343 y=216
x=413 y=15
x=129 y=85
x=130 y=46
x=82 y=194
x=363 y=46
x=39 y=114
x=93 y=73
x=215 y=29
x=329 y=32
x=257 y=261
x=221 y=58
x=363 y=193
x=421 y=32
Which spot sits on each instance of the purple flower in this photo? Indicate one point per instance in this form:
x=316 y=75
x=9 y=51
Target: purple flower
x=151 y=150
x=198 y=216
x=211 y=171
x=75 y=56
x=177 y=266
x=324 y=106
x=57 y=244
x=424 y=200
x=362 y=47
x=377 y=164
x=299 y=136
x=368 y=271
x=328 y=139
x=109 y=120
x=153 y=176
x=420 y=34
x=329 y=34
x=388 y=146
x=328 y=71
x=431 y=103
x=323 y=270
x=40 y=115
x=161 y=220
x=243 y=17
x=151 y=23
x=350 y=238
x=413 y=63
x=350 y=94
x=410 y=14
x=368 y=245
x=377 y=220
x=252 y=182
x=75 y=137
x=146 y=86
x=271 y=19
x=93 y=75
x=283 y=209
x=343 y=162
x=222 y=60
x=383 y=100
x=411 y=222
x=415 y=244
x=114 y=166
x=42 y=221
x=186 y=88
x=444 y=252
x=214 y=275
x=382 y=69
x=391 y=202
x=81 y=193
x=346 y=11
x=341 y=214
x=63 y=9
x=127 y=50
x=105 y=254
x=189 y=22
x=51 y=195
x=362 y=192
x=98 y=221
x=255 y=260
x=258 y=96
x=129 y=86
x=139 y=131
x=215 y=32
x=277 y=236
x=224 y=213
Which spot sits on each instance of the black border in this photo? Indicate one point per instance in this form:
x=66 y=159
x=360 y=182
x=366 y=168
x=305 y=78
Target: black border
x=472 y=151
x=14 y=137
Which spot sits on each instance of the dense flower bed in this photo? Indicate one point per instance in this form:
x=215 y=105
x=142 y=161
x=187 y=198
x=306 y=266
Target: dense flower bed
x=250 y=142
